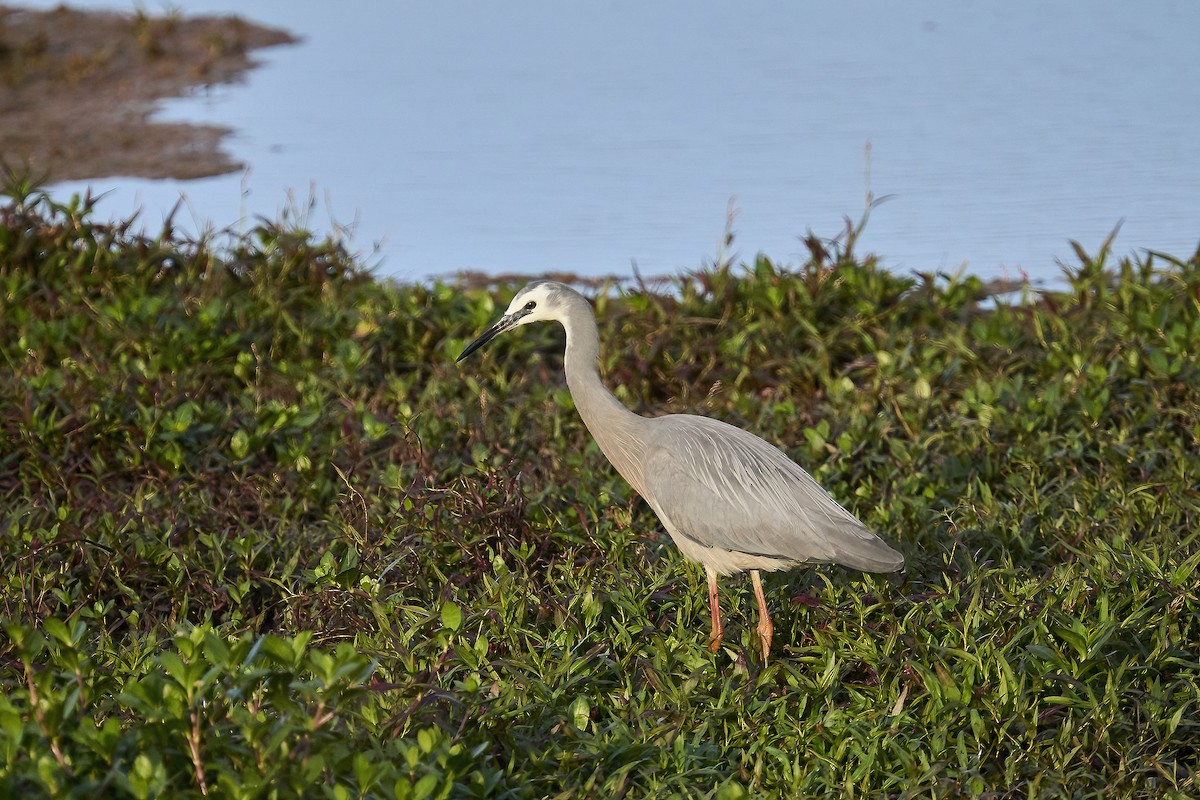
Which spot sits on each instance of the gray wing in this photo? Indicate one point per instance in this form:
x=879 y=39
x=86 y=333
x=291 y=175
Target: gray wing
x=723 y=487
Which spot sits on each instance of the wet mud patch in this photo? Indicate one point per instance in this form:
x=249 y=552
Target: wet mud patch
x=78 y=91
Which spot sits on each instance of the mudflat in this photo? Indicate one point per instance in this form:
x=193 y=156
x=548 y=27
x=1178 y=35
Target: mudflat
x=78 y=90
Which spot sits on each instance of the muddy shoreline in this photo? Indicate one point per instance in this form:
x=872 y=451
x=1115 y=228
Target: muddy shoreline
x=78 y=90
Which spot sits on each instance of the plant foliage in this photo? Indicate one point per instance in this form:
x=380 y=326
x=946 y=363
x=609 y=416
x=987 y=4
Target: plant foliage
x=261 y=537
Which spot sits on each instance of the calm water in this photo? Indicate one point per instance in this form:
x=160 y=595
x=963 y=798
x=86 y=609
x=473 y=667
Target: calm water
x=525 y=136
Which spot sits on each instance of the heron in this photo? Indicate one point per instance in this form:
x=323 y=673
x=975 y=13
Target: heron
x=728 y=499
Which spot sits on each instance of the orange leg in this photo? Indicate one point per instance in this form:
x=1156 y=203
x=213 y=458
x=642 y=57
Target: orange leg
x=765 y=628
x=714 y=638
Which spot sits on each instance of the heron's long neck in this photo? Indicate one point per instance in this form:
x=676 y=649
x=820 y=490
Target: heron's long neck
x=616 y=429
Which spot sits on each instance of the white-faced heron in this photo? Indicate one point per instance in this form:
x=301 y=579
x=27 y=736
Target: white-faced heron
x=729 y=500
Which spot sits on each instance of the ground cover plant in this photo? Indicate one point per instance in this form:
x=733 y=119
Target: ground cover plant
x=261 y=537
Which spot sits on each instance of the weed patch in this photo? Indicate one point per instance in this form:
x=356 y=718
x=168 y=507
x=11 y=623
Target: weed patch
x=261 y=537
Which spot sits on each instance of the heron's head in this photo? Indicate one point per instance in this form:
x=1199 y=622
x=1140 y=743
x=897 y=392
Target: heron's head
x=538 y=302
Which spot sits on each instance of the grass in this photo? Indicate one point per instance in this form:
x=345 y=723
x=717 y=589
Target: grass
x=261 y=537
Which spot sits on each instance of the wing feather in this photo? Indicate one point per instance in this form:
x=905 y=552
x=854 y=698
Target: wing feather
x=723 y=487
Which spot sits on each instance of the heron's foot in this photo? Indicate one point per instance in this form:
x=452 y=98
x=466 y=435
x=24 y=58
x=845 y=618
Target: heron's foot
x=765 y=628
x=765 y=631
x=714 y=605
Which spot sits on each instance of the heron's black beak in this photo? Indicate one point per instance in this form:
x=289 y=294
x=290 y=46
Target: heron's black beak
x=506 y=322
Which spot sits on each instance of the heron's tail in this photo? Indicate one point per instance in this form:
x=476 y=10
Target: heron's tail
x=867 y=553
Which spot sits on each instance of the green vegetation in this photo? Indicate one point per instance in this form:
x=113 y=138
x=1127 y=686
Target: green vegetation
x=261 y=537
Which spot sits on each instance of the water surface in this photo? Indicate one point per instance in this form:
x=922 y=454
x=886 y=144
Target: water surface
x=526 y=136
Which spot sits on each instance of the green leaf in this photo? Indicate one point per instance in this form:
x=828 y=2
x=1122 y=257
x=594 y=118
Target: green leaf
x=451 y=616
x=239 y=443
x=174 y=667
x=580 y=712
x=425 y=787
x=58 y=630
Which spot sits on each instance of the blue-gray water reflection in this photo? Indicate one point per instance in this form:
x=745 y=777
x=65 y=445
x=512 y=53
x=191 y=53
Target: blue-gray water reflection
x=526 y=136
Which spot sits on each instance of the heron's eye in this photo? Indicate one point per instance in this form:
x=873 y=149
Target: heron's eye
x=530 y=306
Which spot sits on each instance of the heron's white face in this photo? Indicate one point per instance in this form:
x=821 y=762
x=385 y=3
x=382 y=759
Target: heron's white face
x=534 y=303
x=537 y=302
